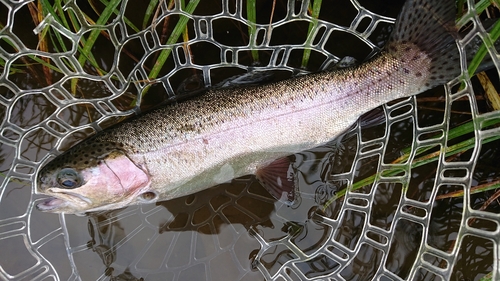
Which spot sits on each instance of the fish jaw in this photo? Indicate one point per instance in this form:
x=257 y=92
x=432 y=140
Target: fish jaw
x=114 y=182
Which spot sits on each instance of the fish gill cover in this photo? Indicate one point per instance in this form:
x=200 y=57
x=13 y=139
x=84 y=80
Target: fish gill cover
x=408 y=193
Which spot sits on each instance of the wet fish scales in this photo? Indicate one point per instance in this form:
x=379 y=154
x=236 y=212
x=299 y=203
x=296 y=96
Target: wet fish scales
x=186 y=147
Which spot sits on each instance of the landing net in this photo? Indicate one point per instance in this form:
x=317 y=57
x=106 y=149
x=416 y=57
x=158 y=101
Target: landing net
x=409 y=193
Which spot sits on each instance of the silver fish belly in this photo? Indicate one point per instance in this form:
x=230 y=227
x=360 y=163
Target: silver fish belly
x=183 y=148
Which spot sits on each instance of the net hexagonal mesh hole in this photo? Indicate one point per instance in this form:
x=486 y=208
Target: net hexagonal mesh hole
x=408 y=193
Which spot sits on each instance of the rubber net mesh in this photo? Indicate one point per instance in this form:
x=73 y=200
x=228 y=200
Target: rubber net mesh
x=421 y=172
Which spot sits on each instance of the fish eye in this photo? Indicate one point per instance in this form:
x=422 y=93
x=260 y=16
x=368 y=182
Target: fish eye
x=69 y=178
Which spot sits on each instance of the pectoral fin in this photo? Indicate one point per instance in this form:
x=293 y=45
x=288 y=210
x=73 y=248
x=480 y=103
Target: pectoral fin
x=279 y=179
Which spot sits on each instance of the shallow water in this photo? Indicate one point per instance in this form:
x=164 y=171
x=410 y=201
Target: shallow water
x=239 y=227
x=237 y=231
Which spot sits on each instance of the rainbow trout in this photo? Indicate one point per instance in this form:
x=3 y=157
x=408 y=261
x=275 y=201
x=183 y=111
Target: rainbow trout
x=226 y=133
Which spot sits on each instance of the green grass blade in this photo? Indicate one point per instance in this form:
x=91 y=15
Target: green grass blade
x=483 y=50
x=312 y=26
x=44 y=63
x=125 y=20
x=460 y=5
x=12 y=68
x=149 y=12
x=482 y=5
x=432 y=157
x=74 y=21
x=479 y=7
x=86 y=51
x=176 y=33
x=452 y=133
x=59 y=17
x=57 y=12
x=474 y=190
x=103 y=18
x=252 y=29
x=487 y=277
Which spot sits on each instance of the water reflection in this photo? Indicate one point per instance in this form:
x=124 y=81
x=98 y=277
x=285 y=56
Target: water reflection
x=241 y=227
x=189 y=230
x=240 y=218
x=237 y=231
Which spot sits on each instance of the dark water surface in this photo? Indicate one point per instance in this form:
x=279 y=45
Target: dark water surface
x=237 y=231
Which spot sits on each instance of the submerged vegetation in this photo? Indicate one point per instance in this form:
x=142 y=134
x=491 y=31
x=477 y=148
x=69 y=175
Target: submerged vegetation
x=104 y=11
x=89 y=58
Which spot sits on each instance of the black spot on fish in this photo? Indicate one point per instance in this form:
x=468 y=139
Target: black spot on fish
x=406 y=70
x=418 y=74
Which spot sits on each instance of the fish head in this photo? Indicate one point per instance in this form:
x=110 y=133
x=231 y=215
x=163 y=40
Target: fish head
x=92 y=177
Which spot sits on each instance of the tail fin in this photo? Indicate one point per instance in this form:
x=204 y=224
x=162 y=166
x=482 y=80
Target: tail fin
x=430 y=25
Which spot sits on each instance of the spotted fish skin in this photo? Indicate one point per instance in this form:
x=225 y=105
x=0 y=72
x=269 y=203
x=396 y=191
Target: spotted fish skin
x=186 y=147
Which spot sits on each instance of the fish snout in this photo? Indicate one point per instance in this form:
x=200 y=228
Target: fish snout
x=43 y=181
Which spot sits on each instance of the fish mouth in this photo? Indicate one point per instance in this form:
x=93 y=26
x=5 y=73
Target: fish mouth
x=58 y=204
x=51 y=204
